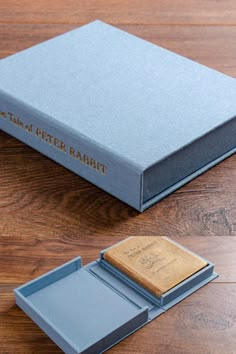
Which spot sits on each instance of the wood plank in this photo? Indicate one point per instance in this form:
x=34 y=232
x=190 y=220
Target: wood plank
x=120 y=11
x=40 y=197
x=205 y=44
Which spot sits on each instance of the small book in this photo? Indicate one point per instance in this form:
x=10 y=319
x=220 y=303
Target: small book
x=157 y=263
x=88 y=309
x=133 y=118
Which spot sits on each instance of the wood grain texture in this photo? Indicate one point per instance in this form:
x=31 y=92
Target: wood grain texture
x=204 y=12
x=48 y=215
x=38 y=196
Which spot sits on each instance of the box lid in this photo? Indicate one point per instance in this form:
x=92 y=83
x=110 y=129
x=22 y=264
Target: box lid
x=155 y=102
x=79 y=312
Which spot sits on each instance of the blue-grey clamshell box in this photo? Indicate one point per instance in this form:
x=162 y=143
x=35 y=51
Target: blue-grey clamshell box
x=89 y=309
x=133 y=118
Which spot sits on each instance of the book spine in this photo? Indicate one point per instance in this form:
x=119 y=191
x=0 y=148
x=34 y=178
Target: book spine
x=71 y=149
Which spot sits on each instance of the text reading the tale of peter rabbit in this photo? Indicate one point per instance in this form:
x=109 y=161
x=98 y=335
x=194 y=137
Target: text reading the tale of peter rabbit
x=55 y=142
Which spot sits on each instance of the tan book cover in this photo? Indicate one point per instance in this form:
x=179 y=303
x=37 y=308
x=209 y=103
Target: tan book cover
x=155 y=262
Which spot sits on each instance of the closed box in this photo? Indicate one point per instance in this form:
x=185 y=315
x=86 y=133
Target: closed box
x=134 y=119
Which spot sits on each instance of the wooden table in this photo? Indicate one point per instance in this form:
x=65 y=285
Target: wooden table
x=49 y=215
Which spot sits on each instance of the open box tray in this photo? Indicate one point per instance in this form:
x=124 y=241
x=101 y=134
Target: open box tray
x=89 y=309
